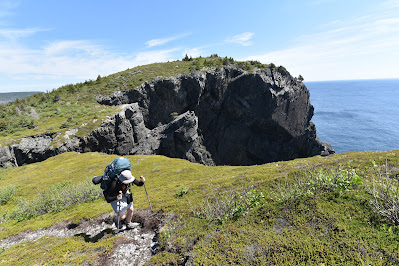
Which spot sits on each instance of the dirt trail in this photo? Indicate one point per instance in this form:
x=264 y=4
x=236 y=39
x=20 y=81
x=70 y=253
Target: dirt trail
x=136 y=247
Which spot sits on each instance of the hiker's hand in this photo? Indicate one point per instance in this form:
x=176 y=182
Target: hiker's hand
x=119 y=197
x=142 y=179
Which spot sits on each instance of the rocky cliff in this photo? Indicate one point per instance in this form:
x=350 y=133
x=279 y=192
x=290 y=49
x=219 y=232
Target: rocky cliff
x=223 y=116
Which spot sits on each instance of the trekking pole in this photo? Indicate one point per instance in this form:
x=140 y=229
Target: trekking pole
x=147 y=196
x=119 y=216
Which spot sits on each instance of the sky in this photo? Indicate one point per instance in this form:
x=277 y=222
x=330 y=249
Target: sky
x=47 y=44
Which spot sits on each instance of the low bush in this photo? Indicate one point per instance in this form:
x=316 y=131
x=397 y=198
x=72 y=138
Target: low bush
x=6 y=193
x=385 y=195
x=57 y=198
x=181 y=192
x=230 y=205
x=313 y=182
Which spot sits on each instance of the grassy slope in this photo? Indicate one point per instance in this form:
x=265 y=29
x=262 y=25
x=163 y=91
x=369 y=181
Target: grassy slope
x=74 y=106
x=337 y=228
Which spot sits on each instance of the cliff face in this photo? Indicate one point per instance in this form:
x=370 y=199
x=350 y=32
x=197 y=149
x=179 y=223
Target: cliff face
x=225 y=116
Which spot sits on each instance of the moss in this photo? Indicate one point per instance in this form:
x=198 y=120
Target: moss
x=301 y=232
x=166 y=258
x=56 y=251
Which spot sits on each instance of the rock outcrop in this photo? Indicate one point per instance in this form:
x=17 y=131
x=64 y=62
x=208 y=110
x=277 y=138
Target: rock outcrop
x=223 y=116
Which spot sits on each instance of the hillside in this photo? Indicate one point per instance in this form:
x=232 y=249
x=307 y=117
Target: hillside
x=76 y=106
x=306 y=211
x=222 y=112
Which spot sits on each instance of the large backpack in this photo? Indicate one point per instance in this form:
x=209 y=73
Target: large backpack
x=112 y=172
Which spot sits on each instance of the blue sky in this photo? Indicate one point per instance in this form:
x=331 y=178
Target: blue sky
x=46 y=44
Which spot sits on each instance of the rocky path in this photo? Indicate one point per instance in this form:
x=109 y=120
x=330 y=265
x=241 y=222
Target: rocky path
x=135 y=248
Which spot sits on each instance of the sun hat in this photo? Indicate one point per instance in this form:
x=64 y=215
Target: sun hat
x=126 y=177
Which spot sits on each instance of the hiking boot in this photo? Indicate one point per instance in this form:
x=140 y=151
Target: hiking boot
x=131 y=225
x=121 y=223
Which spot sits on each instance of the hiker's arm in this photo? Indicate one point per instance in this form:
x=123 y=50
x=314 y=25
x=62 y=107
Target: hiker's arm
x=112 y=193
x=139 y=183
x=110 y=198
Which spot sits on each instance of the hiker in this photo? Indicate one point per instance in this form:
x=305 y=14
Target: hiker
x=115 y=183
x=121 y=199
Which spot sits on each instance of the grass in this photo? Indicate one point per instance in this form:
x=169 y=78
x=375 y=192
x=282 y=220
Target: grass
x=335 y=224
x=55 y=199
x=47 y=250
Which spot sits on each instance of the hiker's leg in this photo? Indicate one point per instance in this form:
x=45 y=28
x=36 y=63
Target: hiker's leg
x=122 y=215
x=129 y=214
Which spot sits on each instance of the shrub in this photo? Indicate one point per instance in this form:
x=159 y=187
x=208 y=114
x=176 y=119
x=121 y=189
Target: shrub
x=57 y=198
x=181 y=192
x=385 y=196
x=6 y=193
x=56 y=98
x=311 y=183
x=230 y=205
x=187 y=58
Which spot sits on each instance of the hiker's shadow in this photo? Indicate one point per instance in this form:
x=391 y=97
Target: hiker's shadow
x=89 y=239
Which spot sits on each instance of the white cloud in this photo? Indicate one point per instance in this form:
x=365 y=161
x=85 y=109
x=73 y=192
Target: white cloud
x=193 y=52
x=243 y=39
x=391 y=4
x=13 y=34
x=159 y=42
x=367 y=47
x=6 y=8
x=67 y=62
x=64 y=47
x=154 y=56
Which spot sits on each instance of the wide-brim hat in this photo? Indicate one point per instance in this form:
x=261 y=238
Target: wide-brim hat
x=126 y=177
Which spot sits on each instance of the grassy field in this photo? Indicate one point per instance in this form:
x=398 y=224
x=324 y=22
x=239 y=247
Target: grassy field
x=306 y=211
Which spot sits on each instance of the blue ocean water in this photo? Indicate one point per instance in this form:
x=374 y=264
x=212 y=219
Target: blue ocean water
x=357 y=115
x=6 y=97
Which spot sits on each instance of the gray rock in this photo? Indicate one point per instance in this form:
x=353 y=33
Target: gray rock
x=7 y=157
x=32 y=149
x=223 y=116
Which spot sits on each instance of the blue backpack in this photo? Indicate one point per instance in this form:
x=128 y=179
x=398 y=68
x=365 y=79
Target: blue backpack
x=112 y=172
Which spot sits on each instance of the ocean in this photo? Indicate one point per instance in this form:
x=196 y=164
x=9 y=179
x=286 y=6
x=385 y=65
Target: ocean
x=6 y=97
x=357 y=115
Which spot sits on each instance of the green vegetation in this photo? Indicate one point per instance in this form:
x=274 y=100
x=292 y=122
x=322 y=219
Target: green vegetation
x=230 y=205
x=55 y=199
x=75 y=105
x=6 y=193
x=385 y=192
x=319 y=181
x=317 y=210
x=50 y=250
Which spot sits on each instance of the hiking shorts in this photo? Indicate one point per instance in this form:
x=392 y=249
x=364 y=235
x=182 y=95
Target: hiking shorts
x=123 y=204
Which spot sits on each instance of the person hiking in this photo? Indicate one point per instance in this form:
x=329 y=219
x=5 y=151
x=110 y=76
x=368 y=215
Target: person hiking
x=115 y=183
x=121 y=199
